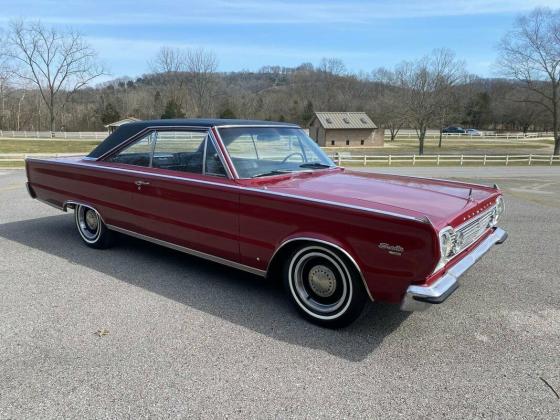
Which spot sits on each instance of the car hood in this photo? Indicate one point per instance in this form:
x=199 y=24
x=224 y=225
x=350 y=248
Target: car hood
x=443 y=202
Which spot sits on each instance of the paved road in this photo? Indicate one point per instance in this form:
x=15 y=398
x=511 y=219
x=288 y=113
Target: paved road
x=191 y=338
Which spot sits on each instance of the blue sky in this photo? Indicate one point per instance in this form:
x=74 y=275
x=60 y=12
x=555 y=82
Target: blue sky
x=248 y=34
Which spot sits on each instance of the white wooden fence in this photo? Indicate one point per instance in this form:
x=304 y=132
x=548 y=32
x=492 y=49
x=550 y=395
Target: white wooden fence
x=60 y=135
x=484 y=136
x=378 y=160
x=449 y=160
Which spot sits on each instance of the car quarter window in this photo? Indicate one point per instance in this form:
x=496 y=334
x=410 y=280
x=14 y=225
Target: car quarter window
x=138 y=153
x=178 y=150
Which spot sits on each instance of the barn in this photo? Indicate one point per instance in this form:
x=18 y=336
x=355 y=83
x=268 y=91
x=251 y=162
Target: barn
x=344 y=129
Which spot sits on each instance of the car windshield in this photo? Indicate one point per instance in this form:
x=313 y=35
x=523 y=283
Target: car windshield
x=265 y=151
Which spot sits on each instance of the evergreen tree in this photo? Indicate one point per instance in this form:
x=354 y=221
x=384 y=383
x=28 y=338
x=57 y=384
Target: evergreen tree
x=110 y=114
x=227 y=113
x=172 y=110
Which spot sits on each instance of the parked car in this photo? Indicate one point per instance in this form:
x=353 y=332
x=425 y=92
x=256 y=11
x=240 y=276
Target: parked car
x=472 y=132
x=453 y=130
x=264 y=198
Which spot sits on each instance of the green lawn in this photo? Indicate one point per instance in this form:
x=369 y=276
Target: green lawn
x=46 y=146
x=452 y=146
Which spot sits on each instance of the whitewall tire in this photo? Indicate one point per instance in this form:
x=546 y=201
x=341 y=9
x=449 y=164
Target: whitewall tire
x=324 y=286
x=91 y=227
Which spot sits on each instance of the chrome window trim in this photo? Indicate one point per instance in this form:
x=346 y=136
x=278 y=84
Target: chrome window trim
x=137 y=135
x=155 y=129
x=320 y=241
x=190 y=251
x=421 y=219
x=257 y=125
x=214 y=140
x=217 y=127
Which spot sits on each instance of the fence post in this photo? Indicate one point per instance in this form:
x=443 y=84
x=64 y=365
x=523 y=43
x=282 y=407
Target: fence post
x=389 y=160
x=484 y=161
x=437 y=160
x=507 y=160
x=365 y=160
x=461 y=159
x=414 y=159
x=551 y=157
x=530 y=159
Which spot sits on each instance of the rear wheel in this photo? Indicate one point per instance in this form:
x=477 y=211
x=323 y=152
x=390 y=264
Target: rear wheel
x=325 y=288
x=91 y=228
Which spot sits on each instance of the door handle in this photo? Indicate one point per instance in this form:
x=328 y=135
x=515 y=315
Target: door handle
x=140 y=183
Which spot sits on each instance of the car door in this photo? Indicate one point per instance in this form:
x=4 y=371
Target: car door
x=183 y=195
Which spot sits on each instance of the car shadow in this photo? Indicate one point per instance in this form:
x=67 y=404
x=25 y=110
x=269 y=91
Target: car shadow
x=230 y=294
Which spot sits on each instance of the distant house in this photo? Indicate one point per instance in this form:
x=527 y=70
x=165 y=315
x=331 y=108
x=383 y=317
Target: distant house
x=345 y=129
x=113 y=126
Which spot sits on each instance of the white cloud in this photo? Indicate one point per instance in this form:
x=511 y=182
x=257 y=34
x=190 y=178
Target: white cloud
x=105 y=12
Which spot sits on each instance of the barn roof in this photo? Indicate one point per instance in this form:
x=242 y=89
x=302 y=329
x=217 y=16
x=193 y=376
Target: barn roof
x=342 y=120
x=121 y=122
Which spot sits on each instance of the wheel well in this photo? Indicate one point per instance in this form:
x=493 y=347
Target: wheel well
x=274 y=271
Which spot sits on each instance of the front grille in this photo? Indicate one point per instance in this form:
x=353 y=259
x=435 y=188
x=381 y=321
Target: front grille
x=473 y=229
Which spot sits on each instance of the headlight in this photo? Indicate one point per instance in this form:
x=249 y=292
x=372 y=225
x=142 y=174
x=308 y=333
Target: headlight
x=500 y=206
x=497 y=211
x=447 y=242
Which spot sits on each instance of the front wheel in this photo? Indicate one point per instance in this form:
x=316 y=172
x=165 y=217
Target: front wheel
x=91 y=228
x=325 y=288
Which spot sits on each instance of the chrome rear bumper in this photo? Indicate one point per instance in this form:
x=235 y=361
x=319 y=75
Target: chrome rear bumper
x=418 y=298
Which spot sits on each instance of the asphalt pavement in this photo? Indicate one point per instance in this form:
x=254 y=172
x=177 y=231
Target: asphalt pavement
x=144 y=331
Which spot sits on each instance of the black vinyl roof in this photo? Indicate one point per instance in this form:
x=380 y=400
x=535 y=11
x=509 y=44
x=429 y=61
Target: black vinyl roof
x=126 y=131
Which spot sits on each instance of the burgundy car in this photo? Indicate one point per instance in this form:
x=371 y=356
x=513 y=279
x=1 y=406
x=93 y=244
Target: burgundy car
x=264 y=198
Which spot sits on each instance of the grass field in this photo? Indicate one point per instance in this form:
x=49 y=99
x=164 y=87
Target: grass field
x=453 y=146
x=46 y=146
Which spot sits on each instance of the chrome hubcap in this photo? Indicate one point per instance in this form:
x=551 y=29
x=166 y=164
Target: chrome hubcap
x=319 y=282
x=91 y=220
x=88 y=223
x=322 y=281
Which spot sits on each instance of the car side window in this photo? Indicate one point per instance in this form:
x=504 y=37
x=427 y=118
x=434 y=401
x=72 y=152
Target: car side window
x=138 y=153
x=179 y=151
x=213 y=163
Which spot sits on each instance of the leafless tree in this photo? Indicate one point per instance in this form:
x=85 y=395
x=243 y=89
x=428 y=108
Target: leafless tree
x=58 y=63
x=530 y=53
x=388 y=108
x=202 y=66
x=169 y=60
x=424 y=84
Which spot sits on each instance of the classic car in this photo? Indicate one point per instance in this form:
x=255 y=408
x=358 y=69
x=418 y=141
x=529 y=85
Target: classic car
x=263 y=197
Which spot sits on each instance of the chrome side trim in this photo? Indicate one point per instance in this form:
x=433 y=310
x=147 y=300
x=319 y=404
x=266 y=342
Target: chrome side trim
x=190 y=251
x=50 y=204
x=320 y=241
x=418 y=298
x=72 y=204
x=421 y=219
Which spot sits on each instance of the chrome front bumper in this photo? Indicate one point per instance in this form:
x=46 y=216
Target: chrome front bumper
x=418 y=298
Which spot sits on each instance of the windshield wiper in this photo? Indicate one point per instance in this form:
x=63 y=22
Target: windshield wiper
x=274 y=172
x=314 y=165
